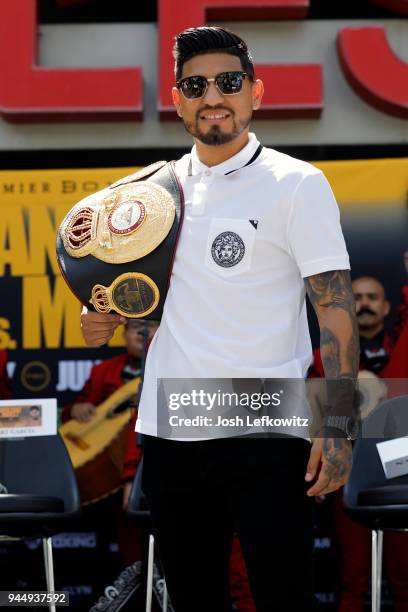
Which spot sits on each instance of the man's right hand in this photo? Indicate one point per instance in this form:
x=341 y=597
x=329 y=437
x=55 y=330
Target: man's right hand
x=83 y=412
x=334 y=457
x=97 y=328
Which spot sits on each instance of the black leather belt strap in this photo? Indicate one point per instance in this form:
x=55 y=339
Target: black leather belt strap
x=159 y=263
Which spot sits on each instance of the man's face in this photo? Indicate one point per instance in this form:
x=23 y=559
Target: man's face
x=35 y=413
x=371 y=304
x=133 y=335
x=235 y=110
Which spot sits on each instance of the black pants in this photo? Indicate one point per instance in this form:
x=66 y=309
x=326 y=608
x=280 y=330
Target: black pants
x=199 y=493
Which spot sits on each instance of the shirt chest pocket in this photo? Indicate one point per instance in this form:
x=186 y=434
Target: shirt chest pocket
x=230 y=246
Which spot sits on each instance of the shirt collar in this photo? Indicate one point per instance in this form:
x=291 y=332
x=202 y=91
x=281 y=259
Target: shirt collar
x=233 y=163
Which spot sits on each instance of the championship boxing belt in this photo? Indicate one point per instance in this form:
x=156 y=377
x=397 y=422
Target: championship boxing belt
x=116 y=247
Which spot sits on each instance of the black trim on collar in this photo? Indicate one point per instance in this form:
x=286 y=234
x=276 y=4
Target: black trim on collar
x=253 y=158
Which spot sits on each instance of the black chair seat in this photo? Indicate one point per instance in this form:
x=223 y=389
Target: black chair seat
x=391 y=495
x=30 y=503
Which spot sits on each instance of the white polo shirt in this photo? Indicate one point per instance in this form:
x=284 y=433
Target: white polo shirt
x=236 y=303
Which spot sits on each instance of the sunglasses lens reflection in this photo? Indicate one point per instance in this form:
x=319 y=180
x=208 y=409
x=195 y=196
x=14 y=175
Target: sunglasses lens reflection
x=193 y=87
x=228 y=83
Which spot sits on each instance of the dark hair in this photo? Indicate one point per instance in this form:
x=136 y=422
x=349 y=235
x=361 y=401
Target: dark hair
x=195 y=41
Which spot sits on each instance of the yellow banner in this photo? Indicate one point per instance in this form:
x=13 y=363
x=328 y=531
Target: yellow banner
x=33 y=203
x=373 y=181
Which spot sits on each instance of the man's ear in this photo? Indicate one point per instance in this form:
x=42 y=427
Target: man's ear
x=257 y=93
x=387 y=308
x=175 y=94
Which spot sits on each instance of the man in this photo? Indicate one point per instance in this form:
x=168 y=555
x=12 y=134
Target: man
x=241 y=316
x=377 y=345
x=111 y=374
x=377 y=354
x=372 y=307
x=33 y=417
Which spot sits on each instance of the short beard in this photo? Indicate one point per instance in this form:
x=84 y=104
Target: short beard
x=215 y=137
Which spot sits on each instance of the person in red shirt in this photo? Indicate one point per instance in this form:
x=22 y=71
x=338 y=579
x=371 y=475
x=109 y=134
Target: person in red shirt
x=381 y=353
x=5 y=385
x=112 y=373
x=376 y=344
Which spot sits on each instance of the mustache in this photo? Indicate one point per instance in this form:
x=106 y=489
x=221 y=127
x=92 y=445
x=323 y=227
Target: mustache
x=365 y=310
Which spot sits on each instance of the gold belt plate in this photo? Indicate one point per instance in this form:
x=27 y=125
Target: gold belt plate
x=121 y=225
x=133 y=295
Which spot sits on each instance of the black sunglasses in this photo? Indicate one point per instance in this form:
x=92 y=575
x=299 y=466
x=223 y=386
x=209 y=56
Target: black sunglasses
x=227 y=83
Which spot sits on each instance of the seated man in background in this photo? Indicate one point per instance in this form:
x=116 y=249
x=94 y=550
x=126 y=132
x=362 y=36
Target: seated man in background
x=376 y=344
x=377 y=350
x=112 y=373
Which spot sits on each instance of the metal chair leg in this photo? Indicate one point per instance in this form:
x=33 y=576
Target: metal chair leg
x=373 y=571
x=49 y=569
x=165 y=597
x=376 y=564
x=149 y=586
x=379 y=567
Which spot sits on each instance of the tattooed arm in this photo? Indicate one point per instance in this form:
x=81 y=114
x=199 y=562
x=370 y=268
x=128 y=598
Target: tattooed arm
x=332 y=299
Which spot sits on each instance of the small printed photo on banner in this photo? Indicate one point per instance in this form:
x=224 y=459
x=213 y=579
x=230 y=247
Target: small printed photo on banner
x=21 y=418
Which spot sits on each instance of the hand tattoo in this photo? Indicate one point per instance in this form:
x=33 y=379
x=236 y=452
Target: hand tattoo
x=338 y=455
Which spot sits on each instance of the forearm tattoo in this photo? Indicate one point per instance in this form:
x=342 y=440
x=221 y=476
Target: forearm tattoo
x=330 y=293
x=332 y=290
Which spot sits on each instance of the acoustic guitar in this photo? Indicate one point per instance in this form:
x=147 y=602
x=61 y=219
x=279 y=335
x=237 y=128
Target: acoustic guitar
x=372 y=390
x=97 y=447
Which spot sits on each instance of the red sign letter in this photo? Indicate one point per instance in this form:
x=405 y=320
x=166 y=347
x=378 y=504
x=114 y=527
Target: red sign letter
x=372 y=69
x=291 y=90
x=32 y=93
x=397 y=6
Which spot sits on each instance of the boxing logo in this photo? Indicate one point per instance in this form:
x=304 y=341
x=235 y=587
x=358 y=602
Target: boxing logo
x=127 y=217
